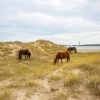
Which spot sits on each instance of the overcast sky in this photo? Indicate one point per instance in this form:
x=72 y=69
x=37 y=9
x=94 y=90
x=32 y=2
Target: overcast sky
x=61 y=21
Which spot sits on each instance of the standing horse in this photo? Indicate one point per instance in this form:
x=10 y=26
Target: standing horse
x=70 y=49
x=24 y=52
x=62 y=55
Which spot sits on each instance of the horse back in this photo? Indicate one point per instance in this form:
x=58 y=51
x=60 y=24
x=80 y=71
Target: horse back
x=62 y=54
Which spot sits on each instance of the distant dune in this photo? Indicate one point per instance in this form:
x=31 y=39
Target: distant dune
x=40 y=46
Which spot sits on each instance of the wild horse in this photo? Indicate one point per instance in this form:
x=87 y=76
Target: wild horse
x=24 y=52
x=72 y=49
x=62 y=55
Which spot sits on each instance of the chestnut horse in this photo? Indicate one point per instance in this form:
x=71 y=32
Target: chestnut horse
x=62 y=55
x=24 y=52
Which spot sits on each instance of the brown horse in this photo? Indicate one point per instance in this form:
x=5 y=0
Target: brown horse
x=24 y=52
x=62 y=55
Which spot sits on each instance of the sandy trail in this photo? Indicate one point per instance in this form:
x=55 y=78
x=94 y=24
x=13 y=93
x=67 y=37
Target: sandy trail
x=43 y=91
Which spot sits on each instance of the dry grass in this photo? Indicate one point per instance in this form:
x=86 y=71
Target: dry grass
x=71 y=79
x=82 y=70
x=55 y=78
x=5 y=96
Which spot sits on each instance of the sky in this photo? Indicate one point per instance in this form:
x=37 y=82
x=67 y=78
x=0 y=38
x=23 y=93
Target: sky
x=61 y=21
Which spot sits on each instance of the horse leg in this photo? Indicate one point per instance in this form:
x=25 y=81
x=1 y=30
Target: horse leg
x=75 y=51
x=20 y=57
x=68 y=58
x=61 y=61
x=57 y=60
x=25 y=56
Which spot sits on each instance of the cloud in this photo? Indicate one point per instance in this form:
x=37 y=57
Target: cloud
x=49 y=18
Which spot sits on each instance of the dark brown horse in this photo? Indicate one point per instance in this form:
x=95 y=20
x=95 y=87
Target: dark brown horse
x=62 y=55
x=72 y=49
x=24 y=52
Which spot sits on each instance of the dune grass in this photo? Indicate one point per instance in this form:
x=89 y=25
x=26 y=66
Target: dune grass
x=84 y=69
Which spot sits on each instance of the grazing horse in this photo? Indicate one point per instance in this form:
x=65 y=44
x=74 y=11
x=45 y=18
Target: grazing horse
x=24 y=52
x=72 y=49
x=62 y=55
